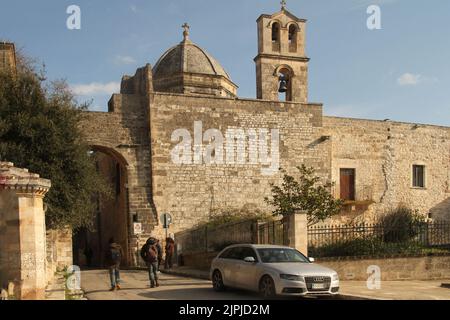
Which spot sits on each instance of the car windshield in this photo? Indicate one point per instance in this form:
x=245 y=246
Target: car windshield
x=280 y=255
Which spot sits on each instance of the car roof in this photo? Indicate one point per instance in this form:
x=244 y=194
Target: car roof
x=258 y=246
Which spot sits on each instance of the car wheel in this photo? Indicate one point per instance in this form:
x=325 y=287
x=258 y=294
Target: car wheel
x=267 y=288
x=217 y=281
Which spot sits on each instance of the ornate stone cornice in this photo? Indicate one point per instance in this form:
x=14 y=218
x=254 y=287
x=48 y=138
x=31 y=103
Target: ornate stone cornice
x=22 y=181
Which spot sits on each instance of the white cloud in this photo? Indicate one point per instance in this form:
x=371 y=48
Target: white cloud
x=95 y=88
x=409 y=79
x=123 y=60
x=133 y=8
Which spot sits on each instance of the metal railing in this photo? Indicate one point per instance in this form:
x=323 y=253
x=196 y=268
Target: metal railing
x=376 y=239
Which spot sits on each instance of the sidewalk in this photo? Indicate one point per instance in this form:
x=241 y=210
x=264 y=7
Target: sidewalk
x=390 y=290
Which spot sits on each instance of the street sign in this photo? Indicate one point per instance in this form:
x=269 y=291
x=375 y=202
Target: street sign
x=137 y=226
x=166 y=220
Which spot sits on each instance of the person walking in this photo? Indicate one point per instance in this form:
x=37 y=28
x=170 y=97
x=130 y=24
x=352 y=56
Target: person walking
x=114 y=256
x=170 y=249
x=149 y=252
x=160 y=253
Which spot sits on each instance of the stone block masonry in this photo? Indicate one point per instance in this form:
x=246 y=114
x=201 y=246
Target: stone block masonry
x=22 y=231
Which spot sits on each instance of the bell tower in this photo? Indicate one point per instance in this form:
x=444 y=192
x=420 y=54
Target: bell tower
x=7 y=56
x=281 y=63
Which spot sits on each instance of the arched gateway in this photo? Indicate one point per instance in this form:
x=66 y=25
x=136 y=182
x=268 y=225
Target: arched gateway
x=120 y=138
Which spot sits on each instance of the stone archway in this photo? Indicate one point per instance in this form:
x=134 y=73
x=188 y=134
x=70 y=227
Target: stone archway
x=125 y=138
x=112 y=219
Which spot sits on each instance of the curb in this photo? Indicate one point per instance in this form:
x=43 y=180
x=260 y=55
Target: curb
x=186 y=274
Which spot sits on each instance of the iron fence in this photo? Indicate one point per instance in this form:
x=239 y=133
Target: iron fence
x=376 y=239
x=273 y=232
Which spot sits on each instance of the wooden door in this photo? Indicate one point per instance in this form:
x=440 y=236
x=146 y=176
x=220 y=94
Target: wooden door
x=347 y=184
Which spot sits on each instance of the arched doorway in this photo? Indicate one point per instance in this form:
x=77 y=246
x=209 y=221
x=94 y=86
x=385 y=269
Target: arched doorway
x=111 y=220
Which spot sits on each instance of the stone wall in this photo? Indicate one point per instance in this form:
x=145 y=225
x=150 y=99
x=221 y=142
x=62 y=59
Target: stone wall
x=392 y=269
x=383 y=153
x=192 y=192
x=58 y=251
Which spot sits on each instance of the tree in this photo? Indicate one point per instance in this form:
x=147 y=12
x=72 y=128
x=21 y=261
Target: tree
x=39 y=131
x=306 y=194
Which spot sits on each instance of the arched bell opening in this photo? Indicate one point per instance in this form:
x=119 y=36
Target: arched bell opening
x=276 y=35
x=284 y=84
x=292 y=38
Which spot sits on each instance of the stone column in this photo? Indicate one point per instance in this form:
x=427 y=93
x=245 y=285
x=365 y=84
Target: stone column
x=22 y=231
x=297 y=225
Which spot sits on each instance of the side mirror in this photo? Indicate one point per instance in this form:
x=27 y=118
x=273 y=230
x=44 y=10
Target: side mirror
x=250 y=260
x=311 y=260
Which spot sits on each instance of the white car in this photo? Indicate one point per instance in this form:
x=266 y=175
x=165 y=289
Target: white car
x=272 y=271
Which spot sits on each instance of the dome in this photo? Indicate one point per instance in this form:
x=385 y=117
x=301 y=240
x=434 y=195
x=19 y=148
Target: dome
x=187 y=57
x=187 y=68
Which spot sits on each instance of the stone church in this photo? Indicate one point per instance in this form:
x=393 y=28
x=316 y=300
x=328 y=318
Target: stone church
x=178 y=139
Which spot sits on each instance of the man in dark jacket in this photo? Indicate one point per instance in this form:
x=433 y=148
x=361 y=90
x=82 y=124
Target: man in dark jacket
x=170 y=249
x=149 y=253
x=114 y=256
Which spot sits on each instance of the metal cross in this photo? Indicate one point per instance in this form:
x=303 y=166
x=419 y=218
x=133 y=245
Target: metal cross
x=283 y=4
x=186 y=28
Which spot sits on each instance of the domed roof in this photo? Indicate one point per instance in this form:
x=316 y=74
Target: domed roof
x=188 y=69
x=187 y=57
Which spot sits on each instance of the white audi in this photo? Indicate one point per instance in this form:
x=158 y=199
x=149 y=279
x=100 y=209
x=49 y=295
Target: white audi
x=272 y=271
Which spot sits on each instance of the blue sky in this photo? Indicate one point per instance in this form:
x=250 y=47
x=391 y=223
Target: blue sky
x=401 y=72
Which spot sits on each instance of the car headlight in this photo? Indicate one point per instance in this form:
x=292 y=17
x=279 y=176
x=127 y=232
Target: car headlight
x=291 y=277
x=335 y=277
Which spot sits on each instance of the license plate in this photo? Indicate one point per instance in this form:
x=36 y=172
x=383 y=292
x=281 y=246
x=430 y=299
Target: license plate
x=318 y=286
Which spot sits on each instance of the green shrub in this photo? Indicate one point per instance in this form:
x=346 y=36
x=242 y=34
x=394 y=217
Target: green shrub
x=400 y=225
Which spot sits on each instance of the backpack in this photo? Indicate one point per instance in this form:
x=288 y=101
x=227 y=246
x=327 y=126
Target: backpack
x=152 y=253
x=115 y=254
x=149 y=253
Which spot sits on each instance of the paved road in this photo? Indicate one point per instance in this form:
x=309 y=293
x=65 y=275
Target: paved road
x=135 y=286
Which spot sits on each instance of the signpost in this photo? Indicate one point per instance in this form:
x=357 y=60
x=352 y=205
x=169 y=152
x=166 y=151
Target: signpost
x=166 y=221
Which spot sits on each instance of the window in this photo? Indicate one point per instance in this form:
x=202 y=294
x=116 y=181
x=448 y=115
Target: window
x=347 y=184
x=418 y=176
x=247 y=252
x=232 y=253
x=280 y=255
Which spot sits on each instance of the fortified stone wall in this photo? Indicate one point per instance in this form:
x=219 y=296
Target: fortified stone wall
x=192 y=192
x=383 y=154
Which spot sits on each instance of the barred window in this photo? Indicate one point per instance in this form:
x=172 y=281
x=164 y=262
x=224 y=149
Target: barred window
x=418 y=176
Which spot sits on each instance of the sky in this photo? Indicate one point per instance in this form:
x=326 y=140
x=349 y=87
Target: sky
x=400 y=72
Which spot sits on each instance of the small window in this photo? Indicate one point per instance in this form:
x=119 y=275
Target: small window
x=418 y=176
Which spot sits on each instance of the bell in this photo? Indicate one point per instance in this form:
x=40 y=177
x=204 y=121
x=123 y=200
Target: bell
x=283 y=85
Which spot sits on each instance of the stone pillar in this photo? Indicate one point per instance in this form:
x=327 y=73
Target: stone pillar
x=297 y=233
x=22 y=231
